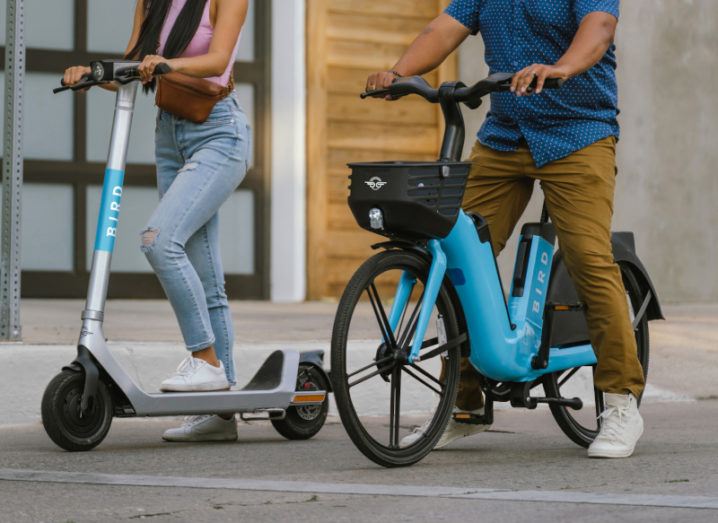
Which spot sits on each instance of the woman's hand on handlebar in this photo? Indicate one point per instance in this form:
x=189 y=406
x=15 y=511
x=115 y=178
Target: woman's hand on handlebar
x=522 y=80
x=148 y=65
x=75 y=74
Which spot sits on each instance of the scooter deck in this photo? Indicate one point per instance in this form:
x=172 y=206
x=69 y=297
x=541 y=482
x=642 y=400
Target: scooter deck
x=272 y=387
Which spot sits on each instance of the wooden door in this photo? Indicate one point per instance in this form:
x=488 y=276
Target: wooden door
x=346 y=41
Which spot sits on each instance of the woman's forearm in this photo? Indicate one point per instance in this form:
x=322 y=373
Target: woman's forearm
x=210 y=64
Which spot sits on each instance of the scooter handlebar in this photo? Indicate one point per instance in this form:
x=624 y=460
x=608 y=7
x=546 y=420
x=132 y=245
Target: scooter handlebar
x=133 y=72
x=125 y=75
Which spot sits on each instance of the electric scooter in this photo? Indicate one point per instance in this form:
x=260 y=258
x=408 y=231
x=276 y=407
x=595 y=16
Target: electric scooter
x=446 y=302
x=290 y=389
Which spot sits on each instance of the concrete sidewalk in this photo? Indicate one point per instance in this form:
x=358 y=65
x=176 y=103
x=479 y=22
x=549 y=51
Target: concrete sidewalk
x=145 y=338
x=684 y=348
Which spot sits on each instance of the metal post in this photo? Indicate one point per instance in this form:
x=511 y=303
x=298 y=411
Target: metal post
x=10 y=329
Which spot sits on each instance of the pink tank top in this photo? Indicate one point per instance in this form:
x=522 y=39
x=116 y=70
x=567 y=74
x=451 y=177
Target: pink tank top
x=202 y=38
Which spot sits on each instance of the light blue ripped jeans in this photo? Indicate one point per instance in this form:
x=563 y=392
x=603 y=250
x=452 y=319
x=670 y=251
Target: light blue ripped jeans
x=199 y=166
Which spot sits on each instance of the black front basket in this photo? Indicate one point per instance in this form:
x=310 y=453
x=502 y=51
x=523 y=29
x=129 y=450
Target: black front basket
x=416 y=200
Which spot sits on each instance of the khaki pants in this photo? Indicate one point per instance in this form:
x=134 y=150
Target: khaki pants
x=579 y=197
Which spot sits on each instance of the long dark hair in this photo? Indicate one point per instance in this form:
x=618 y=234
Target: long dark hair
x=185 y=27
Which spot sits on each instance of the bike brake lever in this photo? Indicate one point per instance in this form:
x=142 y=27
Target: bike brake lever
x=88 y=81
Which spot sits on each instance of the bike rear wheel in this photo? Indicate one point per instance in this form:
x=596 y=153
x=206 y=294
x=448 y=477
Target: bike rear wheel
x=582 y=426
x=371 y=376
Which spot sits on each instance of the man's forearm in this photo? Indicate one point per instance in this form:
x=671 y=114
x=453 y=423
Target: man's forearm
x=437 y=41
x=592 y=40
x=427 y=51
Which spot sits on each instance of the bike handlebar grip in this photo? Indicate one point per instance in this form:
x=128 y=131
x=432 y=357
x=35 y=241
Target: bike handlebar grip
x=551 y=83
x=374 y=93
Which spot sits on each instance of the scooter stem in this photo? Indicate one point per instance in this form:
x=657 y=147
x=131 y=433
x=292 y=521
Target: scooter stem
x=108 y=219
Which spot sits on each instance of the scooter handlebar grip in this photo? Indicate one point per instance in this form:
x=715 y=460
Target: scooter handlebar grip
x=162 y=69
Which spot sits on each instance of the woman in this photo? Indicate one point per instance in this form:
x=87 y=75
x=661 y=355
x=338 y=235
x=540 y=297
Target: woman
x=198 y=167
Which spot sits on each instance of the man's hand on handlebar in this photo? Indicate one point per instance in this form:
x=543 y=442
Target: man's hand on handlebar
x=381 y=80
x=148 y=66
x=522 y=80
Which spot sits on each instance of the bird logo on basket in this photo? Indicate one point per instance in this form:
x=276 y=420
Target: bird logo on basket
x=375 y=183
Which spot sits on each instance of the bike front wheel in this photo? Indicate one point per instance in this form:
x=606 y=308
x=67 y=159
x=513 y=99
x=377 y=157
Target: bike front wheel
x=380 y=396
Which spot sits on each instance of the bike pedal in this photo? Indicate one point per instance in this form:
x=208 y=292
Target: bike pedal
x=469 y=418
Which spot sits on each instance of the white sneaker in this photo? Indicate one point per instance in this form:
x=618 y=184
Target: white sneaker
x=207 y=427
x=621 y=428
x=453 y=431
x=195 y=375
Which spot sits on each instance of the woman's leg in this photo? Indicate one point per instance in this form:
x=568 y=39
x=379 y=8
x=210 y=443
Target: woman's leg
x=205 y=181
x=204 y=254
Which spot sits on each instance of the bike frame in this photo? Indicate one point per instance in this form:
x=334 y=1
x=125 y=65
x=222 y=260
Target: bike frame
x=504 y=337
x=273 y=387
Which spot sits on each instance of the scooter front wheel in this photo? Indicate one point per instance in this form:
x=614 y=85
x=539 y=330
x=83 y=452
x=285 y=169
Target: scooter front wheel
x=380 y=396
x=65 y=422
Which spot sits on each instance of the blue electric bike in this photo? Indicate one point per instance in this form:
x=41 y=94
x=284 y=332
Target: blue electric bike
x=397 y=362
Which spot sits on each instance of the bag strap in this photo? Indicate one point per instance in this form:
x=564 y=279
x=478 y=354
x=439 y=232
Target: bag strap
x=230 y=85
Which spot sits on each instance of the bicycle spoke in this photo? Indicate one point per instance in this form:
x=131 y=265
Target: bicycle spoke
x=443 y=348
x=371 y=375
x=376 y=363
x=403 y=313
x=417 y=378
x=405 y=337
x=380 y=314
x=395 y=407
x=429 y=343
x=429 y=376
x=568 y=376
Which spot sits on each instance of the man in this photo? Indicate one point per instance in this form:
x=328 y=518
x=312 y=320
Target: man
x=565 y=138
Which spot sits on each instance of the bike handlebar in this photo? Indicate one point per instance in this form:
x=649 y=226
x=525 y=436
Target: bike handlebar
x=99 y=75
x=471 y=96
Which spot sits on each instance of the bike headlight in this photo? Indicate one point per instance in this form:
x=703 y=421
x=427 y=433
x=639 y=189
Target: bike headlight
x=376 y=219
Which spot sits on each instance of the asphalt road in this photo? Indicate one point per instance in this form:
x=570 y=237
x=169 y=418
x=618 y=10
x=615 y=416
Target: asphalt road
x=525 y=469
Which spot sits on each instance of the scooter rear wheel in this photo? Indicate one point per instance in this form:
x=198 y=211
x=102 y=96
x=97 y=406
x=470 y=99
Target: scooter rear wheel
x=577 y=427
x=305 y=422
x=367 y=372
x=62 y=418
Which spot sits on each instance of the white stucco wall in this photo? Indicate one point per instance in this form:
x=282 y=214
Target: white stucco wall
x=288 y=114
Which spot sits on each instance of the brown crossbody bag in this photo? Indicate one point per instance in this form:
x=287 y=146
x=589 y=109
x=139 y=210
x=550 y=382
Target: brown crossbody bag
x=188 y=97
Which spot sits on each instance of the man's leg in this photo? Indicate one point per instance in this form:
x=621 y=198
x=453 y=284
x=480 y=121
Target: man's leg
x=499 y=191
x=579 y=195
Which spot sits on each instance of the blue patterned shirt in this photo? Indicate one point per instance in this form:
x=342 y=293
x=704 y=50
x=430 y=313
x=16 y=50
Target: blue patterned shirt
x=518 y=33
